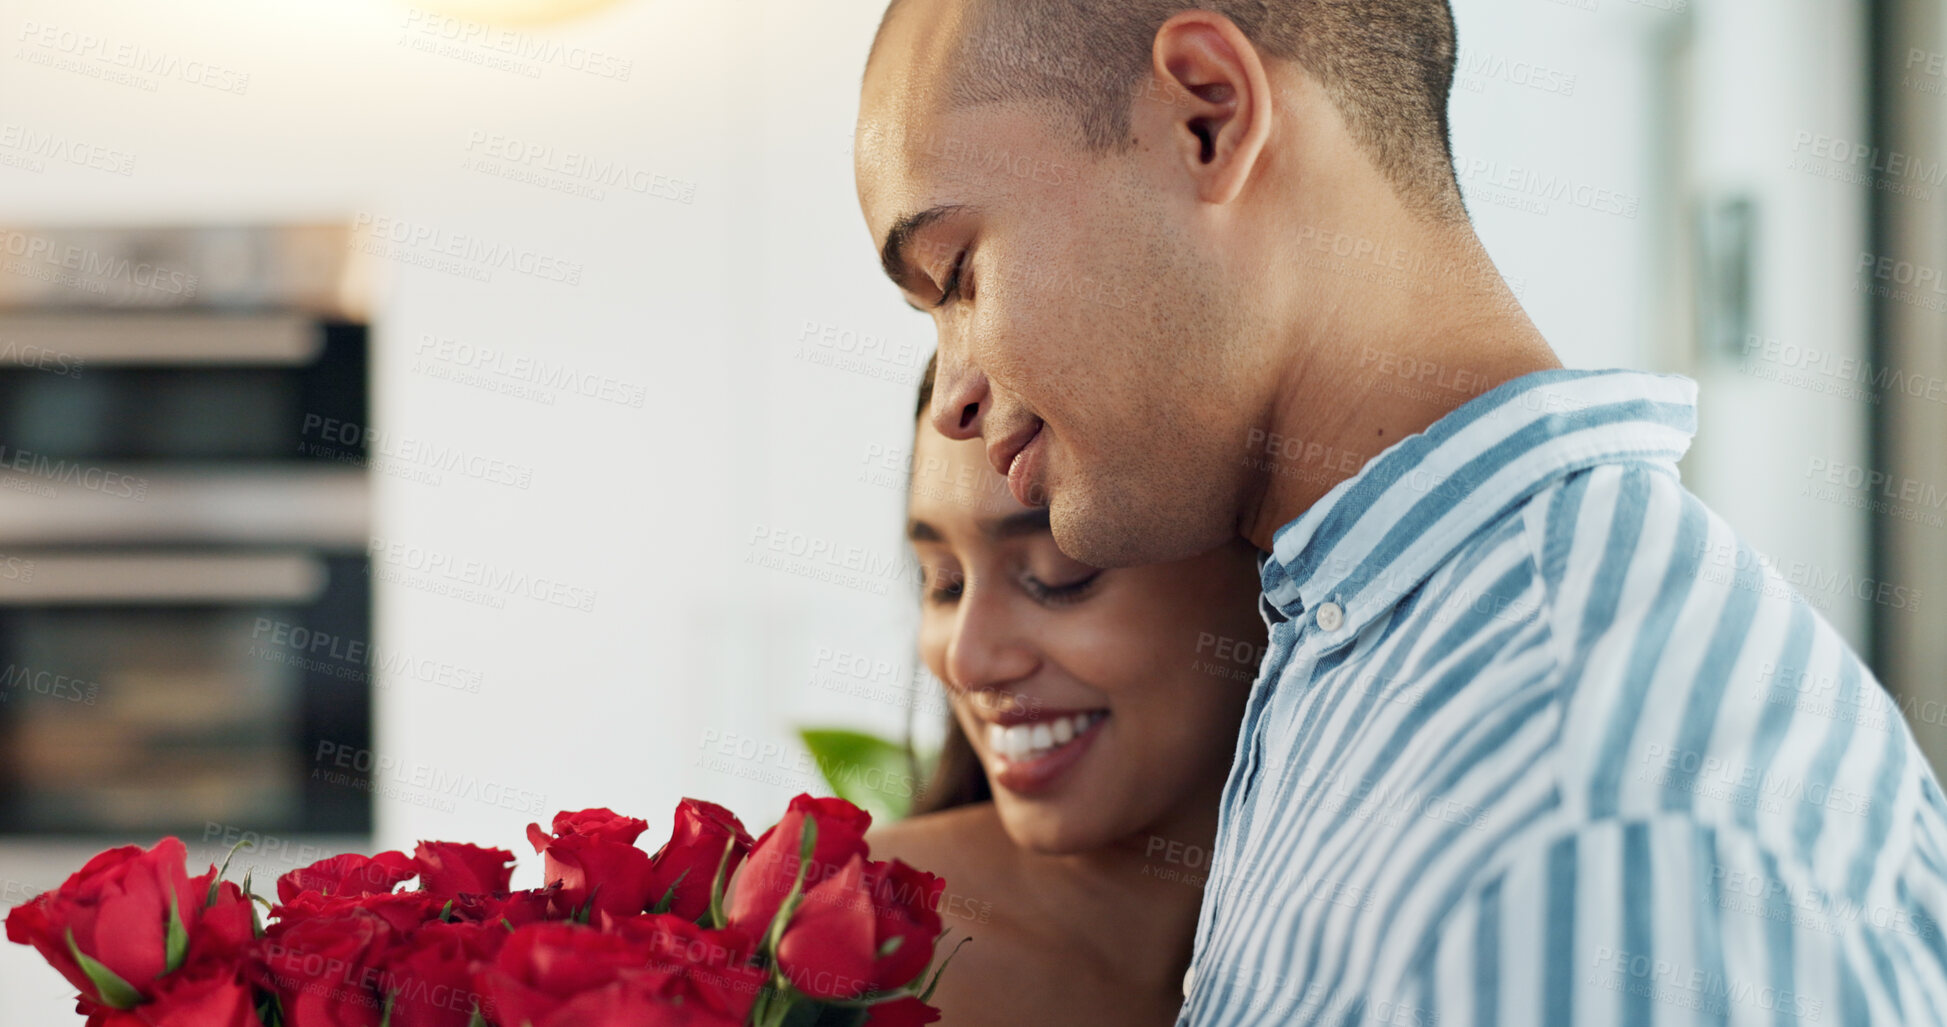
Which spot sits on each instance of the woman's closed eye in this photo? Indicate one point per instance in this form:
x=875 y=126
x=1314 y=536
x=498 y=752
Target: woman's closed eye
x=1060 y=593
x=943 y=585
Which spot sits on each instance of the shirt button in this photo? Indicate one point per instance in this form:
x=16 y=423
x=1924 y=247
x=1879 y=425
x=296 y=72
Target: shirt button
x=1330 y=616
x=1189 y=977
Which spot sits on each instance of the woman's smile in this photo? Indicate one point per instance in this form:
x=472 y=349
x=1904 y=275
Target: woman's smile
x=1032 y=756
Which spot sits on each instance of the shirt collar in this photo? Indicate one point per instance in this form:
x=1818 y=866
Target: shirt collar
x=1380 y=533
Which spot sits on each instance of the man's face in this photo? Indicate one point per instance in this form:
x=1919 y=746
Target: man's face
x=1086 y=306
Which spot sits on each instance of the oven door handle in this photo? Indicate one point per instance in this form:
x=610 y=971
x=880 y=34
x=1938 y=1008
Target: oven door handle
x=160 y=578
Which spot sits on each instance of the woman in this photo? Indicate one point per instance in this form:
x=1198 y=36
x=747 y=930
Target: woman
x=1094 y=717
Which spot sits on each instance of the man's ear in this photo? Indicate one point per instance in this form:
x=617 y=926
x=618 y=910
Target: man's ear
x=1221 y=114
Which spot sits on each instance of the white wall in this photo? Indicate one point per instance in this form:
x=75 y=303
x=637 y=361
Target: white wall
x=746 y=428
x=1660 y=107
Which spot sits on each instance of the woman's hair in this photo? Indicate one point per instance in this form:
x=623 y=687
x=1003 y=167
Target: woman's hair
x=958 y=778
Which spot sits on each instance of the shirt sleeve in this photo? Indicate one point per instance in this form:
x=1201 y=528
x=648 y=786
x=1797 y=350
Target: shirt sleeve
x=1668 y=921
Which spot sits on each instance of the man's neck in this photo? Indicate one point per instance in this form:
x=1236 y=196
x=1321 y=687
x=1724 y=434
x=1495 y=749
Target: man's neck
x=1386 y=363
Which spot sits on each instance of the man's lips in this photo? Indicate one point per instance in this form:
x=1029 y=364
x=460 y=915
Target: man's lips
x=1002 y=453
x=1017 y=460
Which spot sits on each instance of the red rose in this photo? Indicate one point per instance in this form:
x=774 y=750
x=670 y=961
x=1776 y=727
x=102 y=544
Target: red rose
x=561 y=974
x=905 y=906
x=347 y=876
x=688 y=862
x=326 y=969
x=827 y=949
x=630 y=1002
x=593 y=853
x=223 y=930
x=600 y=822
x=597 y=825
x=692 y=965
x=760 y=887
x=870 y=928
x=518 y=909
x=401 y=911
x=448 y=869
x=209 y=995
x=901 y=1012
x=429 y=973
x=653 y=969
x=336 y=885
x=116 y=910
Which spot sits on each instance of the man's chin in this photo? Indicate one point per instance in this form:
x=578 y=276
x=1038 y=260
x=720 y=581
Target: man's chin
x=1118 y=534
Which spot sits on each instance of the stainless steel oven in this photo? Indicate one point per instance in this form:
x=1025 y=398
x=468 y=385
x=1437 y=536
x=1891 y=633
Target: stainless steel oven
x=185 y=608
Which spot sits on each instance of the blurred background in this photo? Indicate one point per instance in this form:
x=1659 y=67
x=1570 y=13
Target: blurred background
x=415 y=420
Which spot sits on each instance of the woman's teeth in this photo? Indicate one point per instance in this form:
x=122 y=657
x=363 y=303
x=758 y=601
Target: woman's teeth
x=1028 y=741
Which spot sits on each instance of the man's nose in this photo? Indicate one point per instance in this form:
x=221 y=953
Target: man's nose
x=960 y=400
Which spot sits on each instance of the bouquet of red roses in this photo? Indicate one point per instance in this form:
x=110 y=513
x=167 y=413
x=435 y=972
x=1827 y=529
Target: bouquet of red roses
x=798 y=928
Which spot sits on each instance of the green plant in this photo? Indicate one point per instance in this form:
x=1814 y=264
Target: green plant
x=873 y=773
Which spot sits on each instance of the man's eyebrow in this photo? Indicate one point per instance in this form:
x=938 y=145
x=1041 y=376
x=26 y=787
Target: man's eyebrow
x=892 y=256
x=920 y=531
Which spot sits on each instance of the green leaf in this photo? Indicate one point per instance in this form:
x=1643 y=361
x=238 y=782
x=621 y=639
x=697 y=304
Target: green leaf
x=786 y=1007
x=109 y=988
x=175 y=945
x=210 y=900
x=385 y=1019
x=865 y=770
x=819 y=1014
x=717 y=883
x=476 y=1020
x=935 y=982
x=256 y=922
x=838 y=1016
x=807 y=843
x=446 y=912
x=669 y=897
x=890 y=945
x=586 y=911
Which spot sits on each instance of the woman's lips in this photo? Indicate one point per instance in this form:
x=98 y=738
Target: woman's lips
x=1032 y=757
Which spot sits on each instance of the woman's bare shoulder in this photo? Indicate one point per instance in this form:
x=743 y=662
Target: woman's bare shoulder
x=964 y=838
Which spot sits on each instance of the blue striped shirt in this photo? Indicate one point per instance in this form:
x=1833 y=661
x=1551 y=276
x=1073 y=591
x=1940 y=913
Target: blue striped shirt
x=1538 y=740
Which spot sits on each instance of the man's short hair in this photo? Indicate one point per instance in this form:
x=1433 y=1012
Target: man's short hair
x=1387 y=65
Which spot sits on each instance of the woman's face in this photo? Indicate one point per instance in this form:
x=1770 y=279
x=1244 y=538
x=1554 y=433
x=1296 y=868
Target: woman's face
x=1101 y=702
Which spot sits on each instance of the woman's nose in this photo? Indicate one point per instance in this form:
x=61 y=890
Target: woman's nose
x=990 y=648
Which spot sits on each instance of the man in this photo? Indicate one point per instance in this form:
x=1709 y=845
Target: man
x=1537 y=739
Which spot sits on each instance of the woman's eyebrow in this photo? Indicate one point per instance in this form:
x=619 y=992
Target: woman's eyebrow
x=1014 y=525
x=1025 y=522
